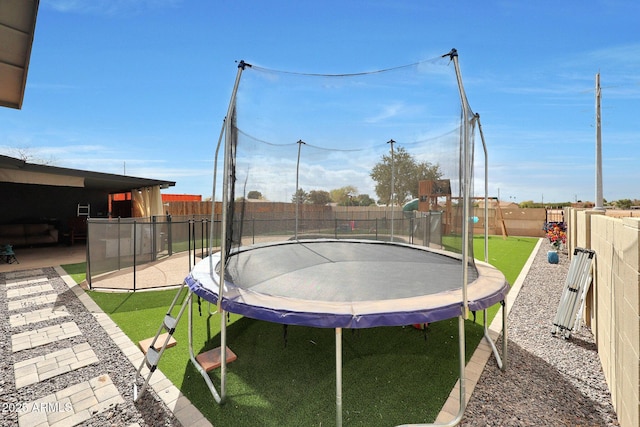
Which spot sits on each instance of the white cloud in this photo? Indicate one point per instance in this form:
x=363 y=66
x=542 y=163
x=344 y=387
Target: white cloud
x=387 y=112
x=108 y=7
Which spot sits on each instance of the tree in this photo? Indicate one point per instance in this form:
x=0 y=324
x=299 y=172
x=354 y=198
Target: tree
x=319 y=197
x=27 y=154
x=300 y=196
x=253 y=194
x=407 y=175
x=623 y=204
x=365 y=200
x=344 y=196
x=527 y=204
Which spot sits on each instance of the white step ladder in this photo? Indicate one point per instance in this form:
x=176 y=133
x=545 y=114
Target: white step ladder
x=574 y=294
x=154 y=353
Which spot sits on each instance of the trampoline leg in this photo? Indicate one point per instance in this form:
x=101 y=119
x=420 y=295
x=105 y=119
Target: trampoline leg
x=285 y=330
x=217 y=397
x=462 y=365
x=339 y=377
x=501 y=361
x=504 y=335
x=223 y=356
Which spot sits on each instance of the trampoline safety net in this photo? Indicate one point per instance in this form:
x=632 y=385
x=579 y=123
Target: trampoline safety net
x=386 y=137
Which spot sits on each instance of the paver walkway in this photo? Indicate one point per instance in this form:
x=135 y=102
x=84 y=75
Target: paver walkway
x=72 y=405
x=63 y=362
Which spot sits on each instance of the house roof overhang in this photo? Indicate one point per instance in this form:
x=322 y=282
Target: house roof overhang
x=18 y=171
x=17 y=28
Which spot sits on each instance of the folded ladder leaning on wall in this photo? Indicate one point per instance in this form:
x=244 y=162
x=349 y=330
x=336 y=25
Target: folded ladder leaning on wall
x=573 y=296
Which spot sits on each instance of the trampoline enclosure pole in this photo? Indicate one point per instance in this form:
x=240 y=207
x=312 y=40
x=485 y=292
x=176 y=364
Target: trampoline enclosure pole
x=227 y=182
x=486 y=191
x=212 y=234
x=339 y=377
x=467 y=169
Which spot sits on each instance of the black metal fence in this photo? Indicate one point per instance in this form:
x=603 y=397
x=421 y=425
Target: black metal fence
x=128 y=243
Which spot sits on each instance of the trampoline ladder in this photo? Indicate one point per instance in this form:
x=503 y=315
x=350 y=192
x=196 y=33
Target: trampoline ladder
x=574 y=294
x=154 y=353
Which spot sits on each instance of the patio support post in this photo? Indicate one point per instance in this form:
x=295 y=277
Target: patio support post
x=169 y=235
x=119 y=243
x=135 y=234
x=154 y=238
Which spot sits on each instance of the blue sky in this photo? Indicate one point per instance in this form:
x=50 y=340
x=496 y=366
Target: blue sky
x=142 y=86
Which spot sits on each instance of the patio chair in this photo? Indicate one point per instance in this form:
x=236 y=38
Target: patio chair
x=77 y=229
x=7 y=254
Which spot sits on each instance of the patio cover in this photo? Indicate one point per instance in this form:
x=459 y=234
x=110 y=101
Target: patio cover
x=17 y=28
x=18 y=171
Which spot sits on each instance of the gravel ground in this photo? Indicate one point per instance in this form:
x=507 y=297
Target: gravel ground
x=549 y=381
x=148 y=411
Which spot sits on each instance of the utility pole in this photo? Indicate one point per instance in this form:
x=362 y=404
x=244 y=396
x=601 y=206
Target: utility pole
x=391 y=142
x=297 y=195
x=599 y=199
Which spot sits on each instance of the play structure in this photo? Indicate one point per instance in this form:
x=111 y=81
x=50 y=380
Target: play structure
x=435 y=195
x=287 y=131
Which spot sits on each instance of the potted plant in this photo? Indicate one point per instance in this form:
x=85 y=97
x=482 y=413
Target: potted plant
x=557 y=235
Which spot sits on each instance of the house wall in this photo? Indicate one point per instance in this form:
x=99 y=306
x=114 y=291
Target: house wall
x=613 y=303
x=51 y=204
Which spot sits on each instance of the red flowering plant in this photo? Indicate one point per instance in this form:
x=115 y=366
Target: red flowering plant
x=557 y=235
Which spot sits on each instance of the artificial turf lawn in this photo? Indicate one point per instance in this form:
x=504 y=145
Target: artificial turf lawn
x=390 y=375
x=76 y=271
x=507 y=255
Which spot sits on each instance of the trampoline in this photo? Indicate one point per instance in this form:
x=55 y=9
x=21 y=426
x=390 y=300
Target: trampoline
x=344 y=282
x=330 y=283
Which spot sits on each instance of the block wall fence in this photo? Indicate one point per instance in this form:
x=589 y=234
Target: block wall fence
x=613 y=303
x=518 y=222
